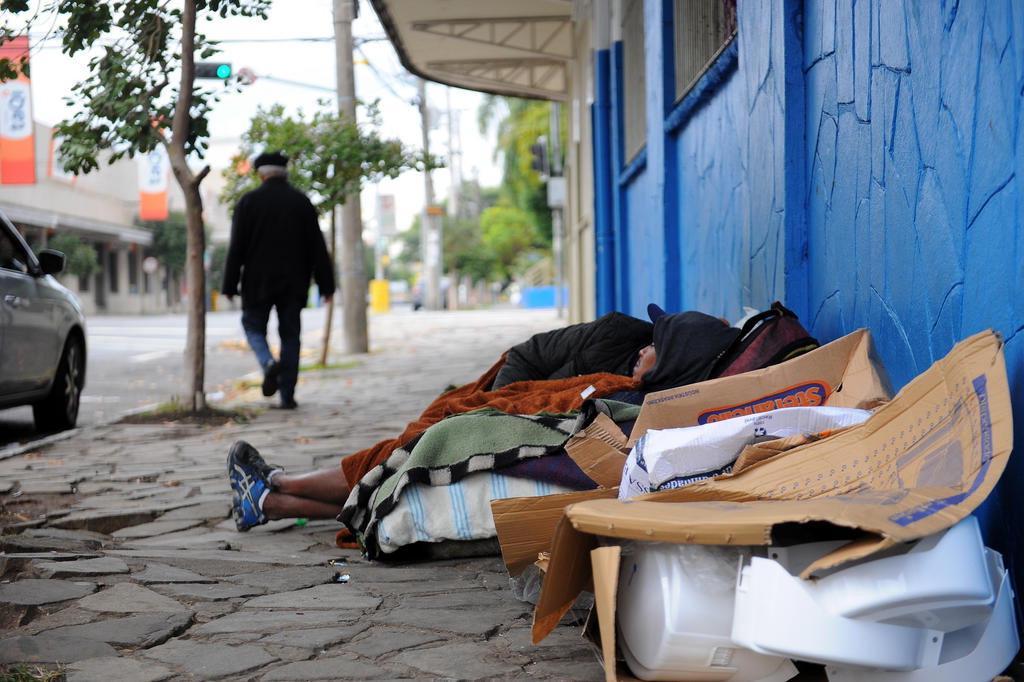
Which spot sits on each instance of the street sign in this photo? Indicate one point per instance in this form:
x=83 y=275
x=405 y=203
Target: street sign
x=435 y=210
x=387 y=225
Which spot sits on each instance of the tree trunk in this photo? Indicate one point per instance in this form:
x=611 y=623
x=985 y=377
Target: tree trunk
x=195 y=275
x=195 y=347
x=330 y=306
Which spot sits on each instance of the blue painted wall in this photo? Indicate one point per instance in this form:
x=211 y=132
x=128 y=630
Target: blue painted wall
x=915 y=196
x=862 y=160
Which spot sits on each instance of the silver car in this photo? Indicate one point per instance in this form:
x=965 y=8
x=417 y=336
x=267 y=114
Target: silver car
x=42 y=334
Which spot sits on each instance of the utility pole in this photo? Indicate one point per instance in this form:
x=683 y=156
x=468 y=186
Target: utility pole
x=430 y=234
x=453 y=162
x=556 y=201
x=353 y=274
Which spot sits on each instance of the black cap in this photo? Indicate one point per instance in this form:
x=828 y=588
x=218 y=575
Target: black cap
x=270 y=159
x=655 y=311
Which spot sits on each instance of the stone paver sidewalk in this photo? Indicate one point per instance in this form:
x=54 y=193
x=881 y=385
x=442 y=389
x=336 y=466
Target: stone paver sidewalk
x=143 y=577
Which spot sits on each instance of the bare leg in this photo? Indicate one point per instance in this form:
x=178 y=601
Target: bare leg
x=280 y=506
x=323 y=485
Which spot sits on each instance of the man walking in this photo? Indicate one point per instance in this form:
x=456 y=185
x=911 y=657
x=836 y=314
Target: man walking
x=276 y=245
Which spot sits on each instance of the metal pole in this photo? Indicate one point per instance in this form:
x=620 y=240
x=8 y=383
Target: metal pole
x=353 y=270
x=555 y=152
x=430 y=234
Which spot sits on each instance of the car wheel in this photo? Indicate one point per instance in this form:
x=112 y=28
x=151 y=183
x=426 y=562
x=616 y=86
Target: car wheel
x=59 y=410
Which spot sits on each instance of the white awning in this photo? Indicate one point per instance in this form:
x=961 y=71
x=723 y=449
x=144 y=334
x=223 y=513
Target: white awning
x=87 y=227
x=519 y=48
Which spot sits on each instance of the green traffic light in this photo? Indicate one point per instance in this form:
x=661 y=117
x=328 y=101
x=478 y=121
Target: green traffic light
x=224 y=71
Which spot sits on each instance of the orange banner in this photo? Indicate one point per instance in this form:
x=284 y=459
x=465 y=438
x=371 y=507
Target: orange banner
x=17 y=143
x=154 y=179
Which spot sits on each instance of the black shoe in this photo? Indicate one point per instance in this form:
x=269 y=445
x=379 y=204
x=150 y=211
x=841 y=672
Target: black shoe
x=270 y=378
x=287 y=404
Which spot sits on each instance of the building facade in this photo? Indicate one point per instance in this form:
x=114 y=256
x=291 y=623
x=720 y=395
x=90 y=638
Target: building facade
x=101 y=209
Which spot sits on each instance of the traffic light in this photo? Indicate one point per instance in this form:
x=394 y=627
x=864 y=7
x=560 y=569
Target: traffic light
x=539 y=150
x=216 y=70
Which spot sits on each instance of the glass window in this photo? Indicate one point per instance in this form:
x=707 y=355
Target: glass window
x=634 y=85
x=702 y=29
x=12 y=255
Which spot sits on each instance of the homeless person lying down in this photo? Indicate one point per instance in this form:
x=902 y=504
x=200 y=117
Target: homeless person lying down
x=505 y=431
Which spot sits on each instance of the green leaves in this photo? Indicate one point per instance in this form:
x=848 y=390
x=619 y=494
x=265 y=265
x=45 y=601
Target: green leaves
x=126 y=104
x=81 y=258
x=331 y=156
x=509 y=232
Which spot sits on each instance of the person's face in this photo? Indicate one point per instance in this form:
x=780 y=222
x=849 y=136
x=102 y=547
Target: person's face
x=645 y=362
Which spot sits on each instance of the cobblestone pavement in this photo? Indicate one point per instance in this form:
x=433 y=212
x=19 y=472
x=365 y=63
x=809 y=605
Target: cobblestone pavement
x=142 y=576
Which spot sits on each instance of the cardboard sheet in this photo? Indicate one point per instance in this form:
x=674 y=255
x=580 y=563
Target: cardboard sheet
x=921 y=463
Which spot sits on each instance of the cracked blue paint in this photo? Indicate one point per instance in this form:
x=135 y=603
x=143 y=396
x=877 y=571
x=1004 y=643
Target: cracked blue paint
x=936 y=238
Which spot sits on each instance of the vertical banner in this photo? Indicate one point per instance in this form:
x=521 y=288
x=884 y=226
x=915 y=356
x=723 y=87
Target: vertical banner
x=17 y=144
x=154 y=179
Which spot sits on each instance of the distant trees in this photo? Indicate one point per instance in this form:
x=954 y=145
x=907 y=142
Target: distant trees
x=82 y=260
x=519 y=123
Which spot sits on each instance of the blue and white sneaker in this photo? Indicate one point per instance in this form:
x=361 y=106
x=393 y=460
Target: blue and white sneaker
x=248 y=474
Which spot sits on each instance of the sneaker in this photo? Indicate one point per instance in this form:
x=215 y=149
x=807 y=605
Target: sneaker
x=249 y=476
x=270 y=378
x=250 y=457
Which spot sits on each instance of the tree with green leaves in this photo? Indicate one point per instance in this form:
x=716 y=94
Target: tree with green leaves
x=332 y=158
x=519 y=123
x=82 y=260
x=510 y=234
x=141 y=94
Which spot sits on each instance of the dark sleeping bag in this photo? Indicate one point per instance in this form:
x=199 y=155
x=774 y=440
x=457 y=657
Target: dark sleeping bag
x=608 y=344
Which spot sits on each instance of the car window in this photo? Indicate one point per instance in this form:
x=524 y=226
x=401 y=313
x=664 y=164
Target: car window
x=12 y=255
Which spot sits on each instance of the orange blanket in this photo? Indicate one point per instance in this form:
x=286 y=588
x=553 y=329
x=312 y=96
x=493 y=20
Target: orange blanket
x=523 y=397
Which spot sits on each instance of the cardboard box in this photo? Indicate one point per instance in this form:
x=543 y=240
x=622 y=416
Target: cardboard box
x=844 y=373
x=920 y=464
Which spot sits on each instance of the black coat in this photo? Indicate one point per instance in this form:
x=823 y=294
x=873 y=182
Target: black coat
x=276 y=246
x=608 y=344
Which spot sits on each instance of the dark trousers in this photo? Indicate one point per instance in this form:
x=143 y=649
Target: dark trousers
x=289 y=329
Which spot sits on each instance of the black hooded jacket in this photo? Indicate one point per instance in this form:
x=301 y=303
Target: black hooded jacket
x=608 y=344
x=687 y=345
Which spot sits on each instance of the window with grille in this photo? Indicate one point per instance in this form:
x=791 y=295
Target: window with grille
x=702 y=29
x=634 y=85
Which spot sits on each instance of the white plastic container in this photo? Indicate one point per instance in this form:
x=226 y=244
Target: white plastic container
x=972 y=654
x=674 y=616
x=891 y=613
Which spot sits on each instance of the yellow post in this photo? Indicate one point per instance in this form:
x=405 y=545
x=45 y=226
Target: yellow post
x=214 y=295
x=380 y=296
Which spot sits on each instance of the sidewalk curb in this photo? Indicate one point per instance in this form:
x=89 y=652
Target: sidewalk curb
x=16 y=449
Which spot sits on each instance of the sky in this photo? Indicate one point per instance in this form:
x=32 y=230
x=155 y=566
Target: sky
x=54 y=77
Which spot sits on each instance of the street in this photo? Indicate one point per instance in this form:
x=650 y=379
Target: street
x=135 y=361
